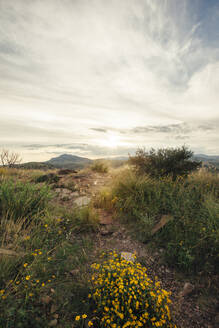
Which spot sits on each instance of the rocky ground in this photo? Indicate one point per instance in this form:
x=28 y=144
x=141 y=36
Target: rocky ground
x=189 y=307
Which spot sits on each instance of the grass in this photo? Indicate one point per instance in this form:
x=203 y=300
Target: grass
x=47 y=280
x=22 y=200
x=50 y=275
x=190 y=240
x=100 y=166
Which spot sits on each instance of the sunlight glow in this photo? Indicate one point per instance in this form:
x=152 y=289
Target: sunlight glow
x=111 y=141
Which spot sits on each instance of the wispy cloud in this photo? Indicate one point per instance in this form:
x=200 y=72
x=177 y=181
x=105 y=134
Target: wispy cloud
x=80 y=70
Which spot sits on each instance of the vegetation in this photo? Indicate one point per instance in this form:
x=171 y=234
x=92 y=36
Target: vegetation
x=100 y=166
x=48 y=280
x=20 y=200
x=190 y=237
x=8 y=158
x=124 y=296
x=172 y=162
x=44 y=279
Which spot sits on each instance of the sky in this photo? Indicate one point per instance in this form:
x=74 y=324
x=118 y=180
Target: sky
x=101 y=78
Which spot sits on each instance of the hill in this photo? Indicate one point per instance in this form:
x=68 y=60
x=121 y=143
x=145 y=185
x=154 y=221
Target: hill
x=69 y=161
x=208 y=161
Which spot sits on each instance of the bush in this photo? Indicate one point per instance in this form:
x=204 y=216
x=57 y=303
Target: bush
x=171 y=162
x=124 y=296
x=190 y=240
x=100 y=167
x=19 y=200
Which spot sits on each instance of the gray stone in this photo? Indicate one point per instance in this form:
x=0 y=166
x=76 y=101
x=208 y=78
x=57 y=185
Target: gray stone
x=128 y=256
x=187 y=289
x=82 y=201
x=53 y=323
x=216 y=319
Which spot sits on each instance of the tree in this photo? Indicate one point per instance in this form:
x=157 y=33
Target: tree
x=171 y=162
x=8 y=158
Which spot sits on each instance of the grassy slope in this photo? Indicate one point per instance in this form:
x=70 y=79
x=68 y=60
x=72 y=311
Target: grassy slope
x=48 y=280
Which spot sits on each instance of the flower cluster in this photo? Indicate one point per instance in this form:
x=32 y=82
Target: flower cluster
x=124 y=296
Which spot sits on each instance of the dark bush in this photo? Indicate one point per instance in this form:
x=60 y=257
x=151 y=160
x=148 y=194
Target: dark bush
x=171 y=162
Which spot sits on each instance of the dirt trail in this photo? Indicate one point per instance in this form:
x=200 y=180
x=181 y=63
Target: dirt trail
x=113 y=235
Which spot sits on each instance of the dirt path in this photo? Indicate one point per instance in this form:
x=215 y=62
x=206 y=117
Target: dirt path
x=113 y=235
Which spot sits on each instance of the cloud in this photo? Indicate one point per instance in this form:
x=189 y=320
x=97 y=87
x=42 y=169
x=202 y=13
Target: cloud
x=80 y=70
x=99 y=130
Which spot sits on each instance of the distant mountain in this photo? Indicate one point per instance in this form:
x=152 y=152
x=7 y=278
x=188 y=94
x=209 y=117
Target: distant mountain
x=208 y=161
x=69 y=161
x=203 y=157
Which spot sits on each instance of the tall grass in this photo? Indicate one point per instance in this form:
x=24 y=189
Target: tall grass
x=22 y=200
x=191 y=238
x=100 y=166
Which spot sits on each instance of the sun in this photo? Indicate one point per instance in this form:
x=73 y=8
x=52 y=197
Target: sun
x=111 y=141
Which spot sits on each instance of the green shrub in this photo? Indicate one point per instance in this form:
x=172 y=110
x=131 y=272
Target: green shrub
x=171 y=162
x=100 y=167
x=190 y=239
x=22 y=200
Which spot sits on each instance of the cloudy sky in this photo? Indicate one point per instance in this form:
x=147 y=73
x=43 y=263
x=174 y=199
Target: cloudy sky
x=103 y=77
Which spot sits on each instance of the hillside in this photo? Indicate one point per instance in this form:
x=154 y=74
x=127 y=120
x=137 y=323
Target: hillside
x=69 y=161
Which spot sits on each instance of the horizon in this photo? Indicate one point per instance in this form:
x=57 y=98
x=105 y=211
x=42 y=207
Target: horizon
x=106 y=157
x=103 y=78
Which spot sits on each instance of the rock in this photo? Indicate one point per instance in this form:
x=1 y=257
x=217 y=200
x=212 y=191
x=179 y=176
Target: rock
x=128 y=256
x=187 y=289
x=164 y=220
x=82 y=201
x=105 y=219
x=106 y=232
x=50 y=178
x=46 y=299
x=80 y=176
x=53 y=323
x=216 y=319
x=52 y=290
x=74 y=272
x=75 y=194
x=65 y=191
x=66 y=171
x=53 y=308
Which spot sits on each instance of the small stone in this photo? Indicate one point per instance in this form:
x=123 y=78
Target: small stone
x=46 y=299
x=74 y=272
x=105 y=220
x=82 y=201
x=187 y=289
x=55 y=315
x=53 y=323
x=216 y=319
x=128 y=256
x=53 y=308
x=52 y=290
